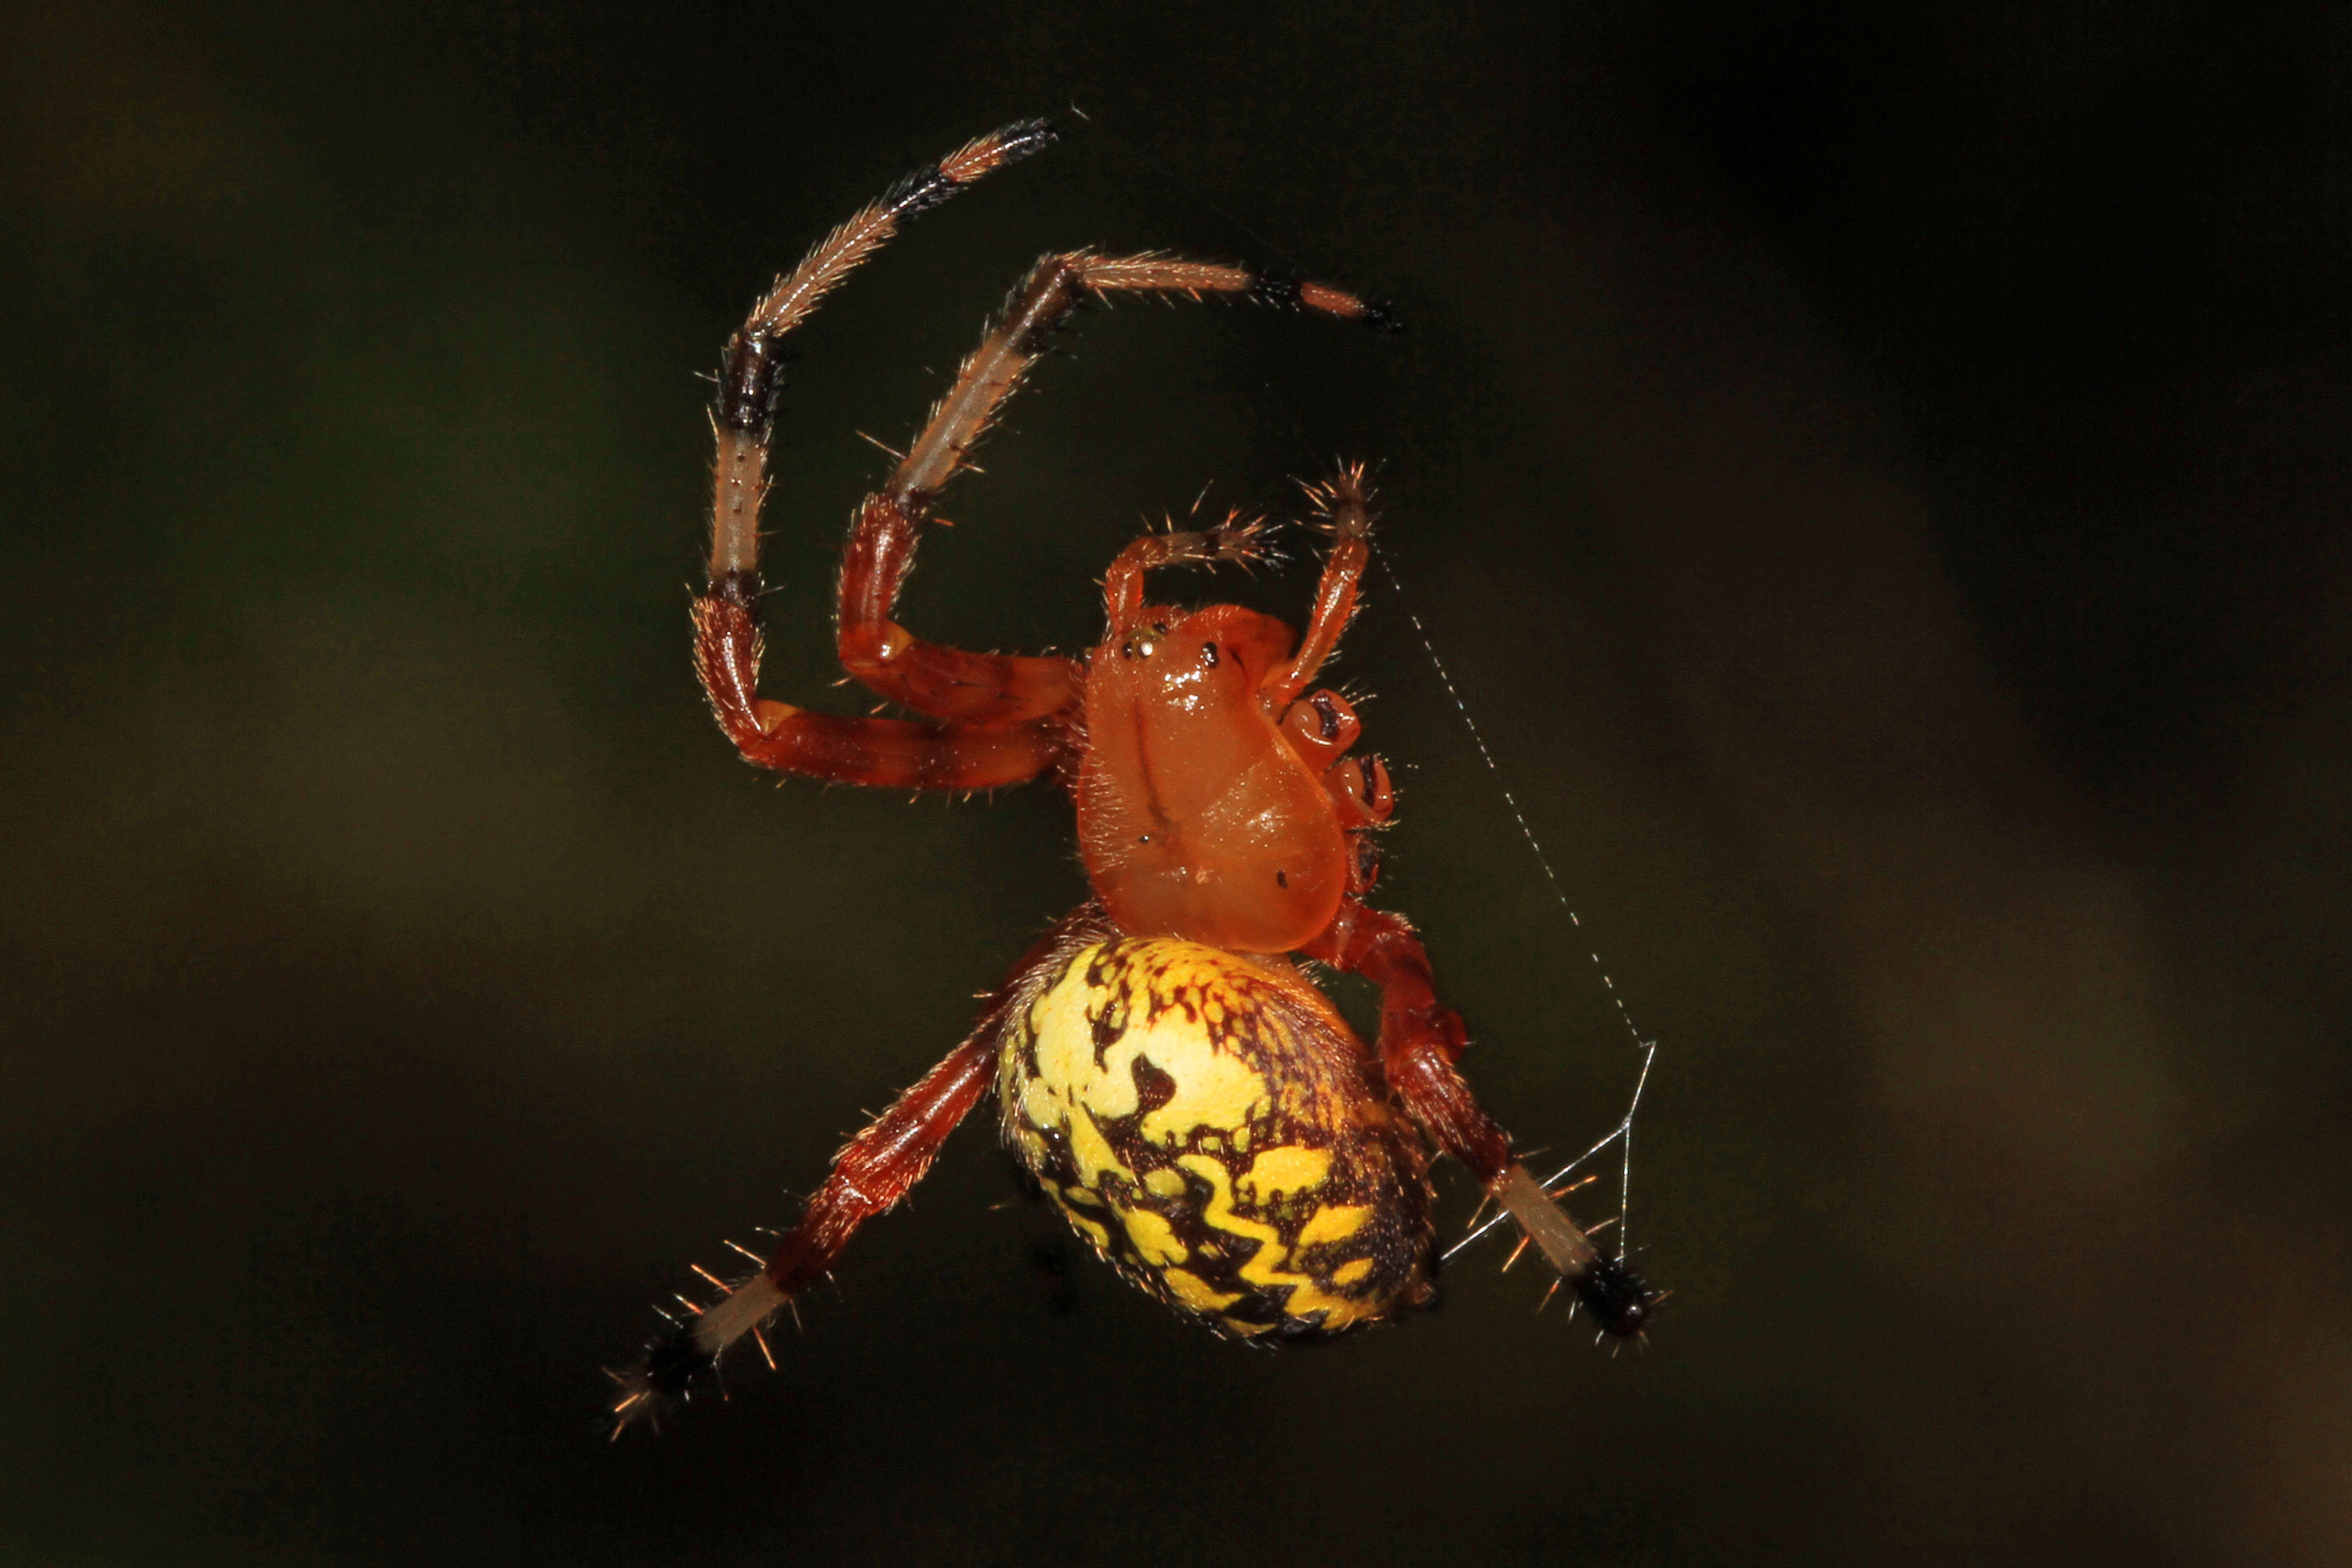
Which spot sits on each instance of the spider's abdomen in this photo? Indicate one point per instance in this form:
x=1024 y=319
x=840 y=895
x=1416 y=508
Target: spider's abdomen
x=1211 y=1125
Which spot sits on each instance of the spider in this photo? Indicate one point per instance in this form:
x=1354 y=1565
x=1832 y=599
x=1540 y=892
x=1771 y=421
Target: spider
x=1189 y=1099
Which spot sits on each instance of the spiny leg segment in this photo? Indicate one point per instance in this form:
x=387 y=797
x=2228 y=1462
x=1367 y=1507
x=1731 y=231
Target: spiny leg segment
x=726 y=618
x=870 y=1175
x=1238 y=542
x=753 y=370
x=1344 y=505
x=1421 y=1040
x=1360 y=787
x=944 y=682
x=1003 y=717
x=876 y=1169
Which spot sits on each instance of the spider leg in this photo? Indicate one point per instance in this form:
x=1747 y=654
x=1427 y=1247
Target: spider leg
x=897 y=752
x=872 y=1173
x=942 y=681
x=1236 y=542
x=1421 y=1040
x=1345 y=502
x=1000 y=749
x=753 y=369
x=868 y=1177
x=1323 y=726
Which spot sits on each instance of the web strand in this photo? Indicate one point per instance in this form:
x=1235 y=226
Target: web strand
x=1559 y=891
x=1622 y=1134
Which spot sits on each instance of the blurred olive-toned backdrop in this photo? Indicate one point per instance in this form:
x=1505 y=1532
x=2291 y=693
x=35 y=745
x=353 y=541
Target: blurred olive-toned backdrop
x=1876 y=476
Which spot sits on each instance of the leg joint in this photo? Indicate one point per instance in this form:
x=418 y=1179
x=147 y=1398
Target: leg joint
x=748 y=381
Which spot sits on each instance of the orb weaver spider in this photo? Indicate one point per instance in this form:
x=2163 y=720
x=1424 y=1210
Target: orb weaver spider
x=1189 y=1099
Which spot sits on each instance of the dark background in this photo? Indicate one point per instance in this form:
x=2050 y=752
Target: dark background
x=1875 y=474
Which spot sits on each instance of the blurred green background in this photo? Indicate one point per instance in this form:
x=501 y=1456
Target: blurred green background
x=1876 y=476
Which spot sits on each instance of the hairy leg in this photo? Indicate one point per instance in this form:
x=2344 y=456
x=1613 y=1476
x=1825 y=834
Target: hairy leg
x=898 y=753
x=1345 y=503
x=872 y=1173
x=945 y=682
x=754 y=368
x=1421 y=1040
x=1236 y=542
x=725 y=617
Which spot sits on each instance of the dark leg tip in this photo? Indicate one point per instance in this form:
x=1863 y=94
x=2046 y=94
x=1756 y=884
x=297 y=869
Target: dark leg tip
x=676 y=1368
x=1024 y=137
x=673 y=1370
x=1621 y=1300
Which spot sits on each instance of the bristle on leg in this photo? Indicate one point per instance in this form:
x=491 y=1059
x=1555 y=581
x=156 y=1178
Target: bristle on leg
x=683 y=1364
x=1621 y=1300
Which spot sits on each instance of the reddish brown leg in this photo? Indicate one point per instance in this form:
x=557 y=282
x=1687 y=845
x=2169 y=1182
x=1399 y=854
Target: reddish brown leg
x=944 y=682
x=868 y=1177
x=1421 y=1040
x=1421 y=1037
x=1321 y=728
x=950 y=683
x=1015 y=745
x=877 y=1169
x=893 y=751
x=1346 y=504
x=1123 y=605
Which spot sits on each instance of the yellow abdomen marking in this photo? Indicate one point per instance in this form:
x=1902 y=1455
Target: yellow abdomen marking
x=1209 y=1123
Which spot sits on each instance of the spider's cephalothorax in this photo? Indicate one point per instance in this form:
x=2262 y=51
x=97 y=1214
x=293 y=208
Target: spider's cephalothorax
x=1186 y=1098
